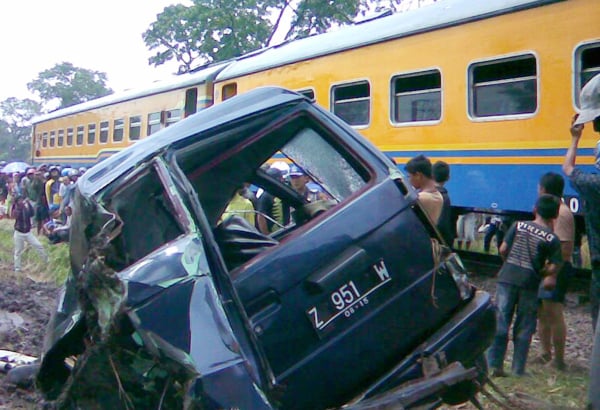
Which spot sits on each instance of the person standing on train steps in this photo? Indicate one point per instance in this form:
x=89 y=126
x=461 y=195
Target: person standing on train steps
x=588 y=187
x=419 y=171
x=446 y=224
x=552 y=328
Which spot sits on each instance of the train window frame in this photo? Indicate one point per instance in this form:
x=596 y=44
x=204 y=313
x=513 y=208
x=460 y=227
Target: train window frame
x=45 y=140
x=52 y=139
x=173 y=116
x=308 y=92
x=135 y=123
x=154 y=121
x=502 y=59
x=355 y=82
x=579 y=70
x=91 y=131
x=80 y=132
x=393 y=96
x=69 y=140
x=228 y=90
x=104 y=132
x=118 y=133
x=60 y=138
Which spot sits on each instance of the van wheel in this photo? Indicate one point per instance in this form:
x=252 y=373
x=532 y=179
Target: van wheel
x=463 y=391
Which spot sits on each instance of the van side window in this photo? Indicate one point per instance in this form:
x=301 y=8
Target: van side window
x=503 y=87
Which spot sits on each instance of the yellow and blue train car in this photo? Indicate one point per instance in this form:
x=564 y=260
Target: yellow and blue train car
x=487 y=86
x=84 y=134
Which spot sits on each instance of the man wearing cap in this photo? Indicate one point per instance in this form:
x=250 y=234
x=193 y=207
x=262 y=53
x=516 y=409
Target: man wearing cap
x=588 y=187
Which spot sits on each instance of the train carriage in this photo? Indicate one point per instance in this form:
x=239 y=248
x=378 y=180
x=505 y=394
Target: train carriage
x=87 y=133
x=489 y=87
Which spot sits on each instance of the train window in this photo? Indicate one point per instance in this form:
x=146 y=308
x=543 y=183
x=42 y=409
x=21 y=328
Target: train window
x=135 y=127
x=173 y=116
x=69 y=136
x=52 y=138
x=45 y=140
x=60 y=141
x=91 y=136
x=118 y=129
x=79 y=140
x=352 y=102
x=103 y=132
x=191 y=101
x=229 y=90
x=503 y=87
x=417 y=97
x=587 y=65
x=309 y=93
x=153 y=122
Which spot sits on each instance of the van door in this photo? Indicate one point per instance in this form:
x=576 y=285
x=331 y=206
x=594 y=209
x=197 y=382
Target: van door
x=347 y=295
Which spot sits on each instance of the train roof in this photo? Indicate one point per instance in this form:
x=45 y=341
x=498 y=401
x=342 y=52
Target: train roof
x=442 y=14
x=193 y=128
x=172 y=83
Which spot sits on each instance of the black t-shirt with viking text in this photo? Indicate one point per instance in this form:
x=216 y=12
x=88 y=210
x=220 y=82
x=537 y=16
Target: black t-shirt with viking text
x=530 y=247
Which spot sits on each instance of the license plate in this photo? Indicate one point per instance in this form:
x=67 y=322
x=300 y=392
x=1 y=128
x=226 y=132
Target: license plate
x=348 y=299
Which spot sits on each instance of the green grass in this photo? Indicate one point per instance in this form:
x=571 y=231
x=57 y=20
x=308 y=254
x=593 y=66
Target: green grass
x=57 y=268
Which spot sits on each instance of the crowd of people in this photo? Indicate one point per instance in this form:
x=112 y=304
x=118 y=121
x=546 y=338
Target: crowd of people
x=537 y=254
x=38 y=200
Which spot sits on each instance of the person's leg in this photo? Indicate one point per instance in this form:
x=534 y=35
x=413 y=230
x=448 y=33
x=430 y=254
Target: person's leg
x=524 y=328
x=594 y=387
x=595 y=295
x=487 y=239
x=506 y=297
x=559 y=333
x=544 y=331
x=35 y=243
x=19 y=243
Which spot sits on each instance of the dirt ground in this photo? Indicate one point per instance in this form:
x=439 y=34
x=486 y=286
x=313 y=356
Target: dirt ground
x=33 y=301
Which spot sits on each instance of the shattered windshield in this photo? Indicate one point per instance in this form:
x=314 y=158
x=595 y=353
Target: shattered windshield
x=321 y=160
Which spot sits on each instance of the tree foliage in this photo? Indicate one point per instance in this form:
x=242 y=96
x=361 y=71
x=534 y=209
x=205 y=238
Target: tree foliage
x=69 y=85
x=216 y=30
x=15 y=129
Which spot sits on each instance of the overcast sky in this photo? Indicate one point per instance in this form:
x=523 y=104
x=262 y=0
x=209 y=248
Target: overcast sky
x=101 y=35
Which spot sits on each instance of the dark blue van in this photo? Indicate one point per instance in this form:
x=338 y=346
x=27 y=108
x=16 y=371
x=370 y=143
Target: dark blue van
x=179 y=298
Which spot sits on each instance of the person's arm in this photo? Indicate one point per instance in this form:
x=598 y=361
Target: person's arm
x=569 y=163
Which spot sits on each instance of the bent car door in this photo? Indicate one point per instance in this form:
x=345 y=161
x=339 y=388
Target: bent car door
x=338 y=295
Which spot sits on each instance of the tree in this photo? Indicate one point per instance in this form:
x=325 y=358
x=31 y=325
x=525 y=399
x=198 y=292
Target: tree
x=69 y=85
x=15 y=129
x=209 y=30
x=216 y=30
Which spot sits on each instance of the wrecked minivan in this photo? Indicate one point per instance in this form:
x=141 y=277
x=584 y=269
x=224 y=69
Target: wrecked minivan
x=350 y=300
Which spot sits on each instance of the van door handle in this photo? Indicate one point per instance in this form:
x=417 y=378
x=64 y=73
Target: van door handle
x=354 y=259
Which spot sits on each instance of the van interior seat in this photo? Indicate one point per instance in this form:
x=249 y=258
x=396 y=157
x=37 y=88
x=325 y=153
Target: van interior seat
x=239 y=241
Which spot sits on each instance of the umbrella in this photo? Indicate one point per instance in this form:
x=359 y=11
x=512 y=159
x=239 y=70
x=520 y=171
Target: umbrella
x=13 y=167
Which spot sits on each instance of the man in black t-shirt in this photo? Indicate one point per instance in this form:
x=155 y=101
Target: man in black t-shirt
x=532 y=254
